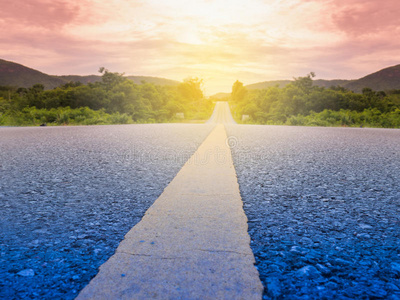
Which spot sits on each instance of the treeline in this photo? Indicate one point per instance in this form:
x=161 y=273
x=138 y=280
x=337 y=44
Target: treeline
x=113 y=100
x=302 y=103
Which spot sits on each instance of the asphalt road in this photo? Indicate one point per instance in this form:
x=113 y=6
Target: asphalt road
x=221 y=114
x=324 y=209
x=192 y=242
x=323 y=204
x=68 y=195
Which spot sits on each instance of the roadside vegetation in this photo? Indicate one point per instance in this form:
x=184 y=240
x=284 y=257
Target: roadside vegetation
x=113 y=100
x=302 y=103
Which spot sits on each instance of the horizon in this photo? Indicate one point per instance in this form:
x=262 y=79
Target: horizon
x=215 y=92
x=253 y=42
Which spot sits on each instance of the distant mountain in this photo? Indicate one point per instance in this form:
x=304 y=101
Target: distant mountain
x=283 y=83
x=267 y=84
x=221 y=96
x=136 y=79
x=13 y=74
x=383 y=80
x=155 y=80
x=77 y=78
x=333 y=82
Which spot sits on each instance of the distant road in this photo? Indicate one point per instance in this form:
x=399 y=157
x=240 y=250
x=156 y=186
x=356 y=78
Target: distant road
x=221 y=114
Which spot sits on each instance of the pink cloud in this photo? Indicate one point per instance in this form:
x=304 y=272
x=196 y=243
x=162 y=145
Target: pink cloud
x=48 y=14
x=335 y=38
x=366 y=17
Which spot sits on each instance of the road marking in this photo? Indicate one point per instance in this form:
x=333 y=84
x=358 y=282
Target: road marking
x=192 y=242
x=221 y=114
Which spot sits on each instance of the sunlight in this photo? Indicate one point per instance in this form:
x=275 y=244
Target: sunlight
x=205 y=38
x=275 y=39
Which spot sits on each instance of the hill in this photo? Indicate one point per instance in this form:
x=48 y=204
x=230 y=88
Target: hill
x=267 y=84
x=136 y=79
x=220 y=96
x=282 y=83
x=383 y=80
x=155 y=80
x=14 y=74
x=77 y=78
x=334 y=82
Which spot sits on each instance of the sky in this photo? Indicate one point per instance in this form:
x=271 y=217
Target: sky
x=219 y=41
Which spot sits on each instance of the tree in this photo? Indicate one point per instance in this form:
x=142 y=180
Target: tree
x=305 y=84
x=149 y=92
x=239 y=92
x=110 y=79
x=35 y=96
x=268 y=97
x=191 y=90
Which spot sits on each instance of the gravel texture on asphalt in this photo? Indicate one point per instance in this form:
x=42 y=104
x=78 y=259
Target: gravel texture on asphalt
x=324 y=209
x=68 y=195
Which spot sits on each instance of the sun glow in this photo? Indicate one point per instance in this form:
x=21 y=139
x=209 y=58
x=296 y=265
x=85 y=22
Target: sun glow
x=212 y=39
x=218 y=40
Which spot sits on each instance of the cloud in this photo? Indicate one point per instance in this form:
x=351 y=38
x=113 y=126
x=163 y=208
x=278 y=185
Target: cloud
x=46 y=14
x=359 y=18
x=251 y=41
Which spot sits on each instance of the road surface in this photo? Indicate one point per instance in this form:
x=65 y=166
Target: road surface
x=322 y=203
x=68 y=195
x=324 y=209
x=221 y=114
x=192 y=243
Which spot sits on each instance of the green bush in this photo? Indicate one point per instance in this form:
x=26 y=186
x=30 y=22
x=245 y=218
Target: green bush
x=300 y=103
x=113 y=100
